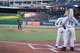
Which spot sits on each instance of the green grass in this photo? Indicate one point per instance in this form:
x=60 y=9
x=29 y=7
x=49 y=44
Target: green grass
x=4 y=16
x=43 y=34
x=8 y=17
x=40 y=35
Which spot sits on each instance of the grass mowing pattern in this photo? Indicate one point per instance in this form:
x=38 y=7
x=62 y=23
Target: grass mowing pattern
x=42 y=35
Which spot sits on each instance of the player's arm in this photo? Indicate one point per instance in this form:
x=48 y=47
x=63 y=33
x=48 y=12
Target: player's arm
x=76 y=22
x=56 y=23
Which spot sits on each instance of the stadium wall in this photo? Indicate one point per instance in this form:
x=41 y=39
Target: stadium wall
x=8 y=22
x=42 y=22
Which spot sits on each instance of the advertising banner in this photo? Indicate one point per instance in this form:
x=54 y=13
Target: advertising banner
x=33 y=23
x=47 y=22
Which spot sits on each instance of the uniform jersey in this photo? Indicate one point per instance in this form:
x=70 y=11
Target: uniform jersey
x=60 y=31
x=59 y=22
x=70 y=23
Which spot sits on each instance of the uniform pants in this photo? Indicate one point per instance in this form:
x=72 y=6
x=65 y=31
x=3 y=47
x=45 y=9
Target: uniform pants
x=69 y=35
x=59 y=33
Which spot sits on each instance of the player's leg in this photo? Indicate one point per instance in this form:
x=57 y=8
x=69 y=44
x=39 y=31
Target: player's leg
x=58 y=37
x=72 y=39
x=63 y=34
x=65 y=41
x=20 y=27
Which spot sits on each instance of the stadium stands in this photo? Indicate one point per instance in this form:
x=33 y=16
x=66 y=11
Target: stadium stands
x=27 y=5
x=59 y=2
x=24 y=3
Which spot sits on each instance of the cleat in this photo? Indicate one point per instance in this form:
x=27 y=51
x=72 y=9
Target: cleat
x=71 y=48
x=63 y=49
x=56 y=46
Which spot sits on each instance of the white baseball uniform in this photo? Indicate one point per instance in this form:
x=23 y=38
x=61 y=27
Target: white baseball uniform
x=70 y=31
x=60 y=31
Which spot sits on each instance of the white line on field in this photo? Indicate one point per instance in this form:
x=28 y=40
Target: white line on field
x=31 y=45
x=52 y=48
x=78 y=49
x=14 y=42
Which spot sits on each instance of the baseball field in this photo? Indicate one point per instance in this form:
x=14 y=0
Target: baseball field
x=32 y=39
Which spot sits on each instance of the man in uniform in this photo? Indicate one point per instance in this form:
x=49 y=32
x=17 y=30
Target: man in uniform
x=60 y=31
x=19 y=24
x=69 y=26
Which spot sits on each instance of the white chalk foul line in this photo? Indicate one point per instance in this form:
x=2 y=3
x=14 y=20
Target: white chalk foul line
x=50 y=47
x=30 y=45
x=78 y=49
x=14 y=42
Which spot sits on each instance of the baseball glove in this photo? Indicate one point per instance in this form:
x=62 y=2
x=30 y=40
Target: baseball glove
x=64 y=26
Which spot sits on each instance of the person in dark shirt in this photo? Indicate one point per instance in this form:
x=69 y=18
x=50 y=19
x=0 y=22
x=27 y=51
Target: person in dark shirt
x=19 y=24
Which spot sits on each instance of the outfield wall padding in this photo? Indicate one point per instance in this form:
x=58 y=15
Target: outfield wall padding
x=11 y=22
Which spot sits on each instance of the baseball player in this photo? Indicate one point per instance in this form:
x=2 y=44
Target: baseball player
x=19 y=24
x=69 y=22
x=60 y=31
